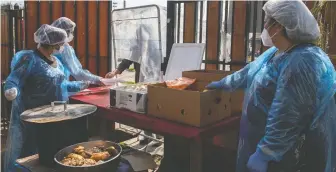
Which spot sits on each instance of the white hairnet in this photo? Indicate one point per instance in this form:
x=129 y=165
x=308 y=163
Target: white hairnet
x=300 y=24
x=67 y=25
x=64 y=23
x=50 y=35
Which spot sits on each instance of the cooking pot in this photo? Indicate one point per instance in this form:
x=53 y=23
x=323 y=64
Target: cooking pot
x=58 y=125
x=110 y=165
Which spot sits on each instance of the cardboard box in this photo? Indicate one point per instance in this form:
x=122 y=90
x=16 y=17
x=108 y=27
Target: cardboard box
x=205 y=77
x=133 y=101
x=193 y=107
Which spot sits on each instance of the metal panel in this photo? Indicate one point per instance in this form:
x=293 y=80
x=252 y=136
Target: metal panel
x=92 y=37
x=189 y=22
x=81 y=32
x=213 y=33
x=56 y=10
x=44 y=9
x=104 y=25
x=69 y=11
x=31 y=23
x=238 y=36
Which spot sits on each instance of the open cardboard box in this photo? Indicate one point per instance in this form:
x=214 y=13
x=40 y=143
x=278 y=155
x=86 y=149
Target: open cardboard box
x=204 y=77
x=192 y=106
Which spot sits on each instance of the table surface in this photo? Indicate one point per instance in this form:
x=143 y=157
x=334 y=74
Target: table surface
x=143 y=121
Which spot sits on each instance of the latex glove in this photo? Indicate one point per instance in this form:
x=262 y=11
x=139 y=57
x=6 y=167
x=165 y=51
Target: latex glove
x=86 y=85
x=100 y=82
x=257 y=163
x=11 y=94
x=215 y=85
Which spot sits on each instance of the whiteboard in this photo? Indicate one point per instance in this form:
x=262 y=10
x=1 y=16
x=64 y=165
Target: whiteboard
x=184 y=57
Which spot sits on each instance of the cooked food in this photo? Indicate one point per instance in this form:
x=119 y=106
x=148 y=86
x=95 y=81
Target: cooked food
x=89 y=157
x=100 y=156
x=75 y=156
x=79 y=149
x=89 y=162
x=180 y=83
x=112 y=151
x=73 y=160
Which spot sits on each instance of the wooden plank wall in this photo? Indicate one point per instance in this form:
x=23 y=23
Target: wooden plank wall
x=239 y=37
x=213 y=34
x=189 y=22
x=91 y=41
x=5 y=59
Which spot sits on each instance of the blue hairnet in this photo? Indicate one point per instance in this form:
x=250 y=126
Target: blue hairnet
x=299 y=22
x=50 y=35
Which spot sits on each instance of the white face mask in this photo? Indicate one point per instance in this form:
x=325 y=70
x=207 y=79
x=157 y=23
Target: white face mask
x=266 y=39
x=70 y=38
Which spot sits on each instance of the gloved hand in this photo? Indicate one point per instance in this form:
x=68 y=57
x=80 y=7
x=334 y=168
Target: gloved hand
x=215 y=85
x=11 y=94
x=101 y=83
x=257 y=162
x=86 y=84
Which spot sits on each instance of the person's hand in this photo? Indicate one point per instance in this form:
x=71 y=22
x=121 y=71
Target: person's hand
x=11 y=94
x=101 y=83
x=112 y=74
x=86 y=84
x=256 y=163
x=214 y=85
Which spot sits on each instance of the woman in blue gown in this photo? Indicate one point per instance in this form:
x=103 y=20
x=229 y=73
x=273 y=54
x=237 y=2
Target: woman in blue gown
x=289 y=114
x=68 y=57
x=37 y=78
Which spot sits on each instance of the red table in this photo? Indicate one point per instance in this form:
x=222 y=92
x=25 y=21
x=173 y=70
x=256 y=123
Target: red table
x=194 y=135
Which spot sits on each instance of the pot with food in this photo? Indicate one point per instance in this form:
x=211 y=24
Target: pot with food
x=93 y=156
x=57 y=126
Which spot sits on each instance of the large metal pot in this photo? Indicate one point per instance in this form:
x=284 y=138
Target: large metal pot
x=110 y=165
x=58 y=126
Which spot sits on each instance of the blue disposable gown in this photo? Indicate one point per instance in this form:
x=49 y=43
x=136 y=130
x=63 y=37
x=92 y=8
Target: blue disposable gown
x=73 y=66
x=289 y=113
x=38 y=84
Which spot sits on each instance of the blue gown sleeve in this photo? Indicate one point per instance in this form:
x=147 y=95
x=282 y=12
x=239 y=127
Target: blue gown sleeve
x=75 y=86
x=293 y=106
x=239 y=79
x=73 y=65
x=19 y=73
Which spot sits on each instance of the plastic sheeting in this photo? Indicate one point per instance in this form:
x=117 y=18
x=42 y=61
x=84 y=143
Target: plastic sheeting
x=38 y=84
x=139 y=35
x=289 y=111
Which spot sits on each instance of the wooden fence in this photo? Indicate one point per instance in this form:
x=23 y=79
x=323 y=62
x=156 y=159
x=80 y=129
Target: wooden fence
x=92 y=37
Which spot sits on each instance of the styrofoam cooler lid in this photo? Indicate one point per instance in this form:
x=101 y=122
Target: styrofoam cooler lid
x=184 y=57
